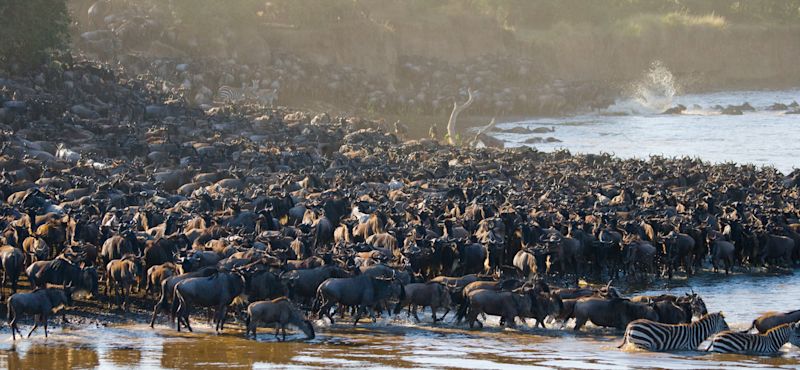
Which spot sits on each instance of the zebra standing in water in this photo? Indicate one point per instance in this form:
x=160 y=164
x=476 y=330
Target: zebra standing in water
x=655 y=336
x=760 y=344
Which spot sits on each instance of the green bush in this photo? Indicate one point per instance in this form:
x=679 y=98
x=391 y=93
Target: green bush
x=29 y=30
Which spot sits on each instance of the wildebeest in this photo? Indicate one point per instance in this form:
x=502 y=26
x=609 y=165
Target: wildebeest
x=117 y=246
x=280 y=312
x=12 y=261
x=431 y=294
x=304 y=283
x=40 y=302
x=615 y=312
x=122 y=274
x=168 y=289
x=769 y=320
x=65 y=272
x=216 y=291
x=507 y=305
x=363 y=292
x=157 y=274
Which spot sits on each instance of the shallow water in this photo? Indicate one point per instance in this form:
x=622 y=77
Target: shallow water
x=398 y=343
x=761 y=137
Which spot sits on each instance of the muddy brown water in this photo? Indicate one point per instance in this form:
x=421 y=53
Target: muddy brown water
x=399 y=343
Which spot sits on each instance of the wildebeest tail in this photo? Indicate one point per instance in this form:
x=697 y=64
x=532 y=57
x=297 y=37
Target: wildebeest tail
x=750 y=328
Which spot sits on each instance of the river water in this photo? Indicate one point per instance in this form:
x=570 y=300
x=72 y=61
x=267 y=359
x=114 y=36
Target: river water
x=393 y=343
x=634 y=128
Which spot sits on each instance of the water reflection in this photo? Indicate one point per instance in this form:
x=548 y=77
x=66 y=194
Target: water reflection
x=394 y=344
x=43 y=356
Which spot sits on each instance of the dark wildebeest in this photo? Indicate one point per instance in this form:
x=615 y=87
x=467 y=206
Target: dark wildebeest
x=280 y=312
x=775 y=248
x=770 y=320
x=40 y=302
x=679 y=250
x=507 y=305
x=168 y=289
x=218 y=291
x=721 y=251
x=362 y=291
x=430 y=294
x=62 y=271
x=122 y=274
x=304 y=283
x=546 y=304
x=13 y=262
x=615 y=312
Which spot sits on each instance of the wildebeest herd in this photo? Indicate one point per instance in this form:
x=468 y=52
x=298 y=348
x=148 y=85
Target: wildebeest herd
x=302 y=215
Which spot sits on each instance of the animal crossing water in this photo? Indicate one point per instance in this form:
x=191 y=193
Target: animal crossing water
x=393 y=343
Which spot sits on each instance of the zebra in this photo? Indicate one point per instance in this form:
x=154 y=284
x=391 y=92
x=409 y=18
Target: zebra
x=229 y=94
x=655 y=336
x=266 y=97
x=759 y=344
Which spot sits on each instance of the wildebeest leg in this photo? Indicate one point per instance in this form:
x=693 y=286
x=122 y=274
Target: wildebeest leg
x=126 y=291
x=414 y=312
x=44 y=321
x=155 y=313
x=325 y=310
x=12 y=322
x=472 y=318
x=283 y=329
x=222 y=314
x=446 y=311
x=433 y=312
x=35 y=324
x=358 y=315
x=371 y=313
x=579 y=322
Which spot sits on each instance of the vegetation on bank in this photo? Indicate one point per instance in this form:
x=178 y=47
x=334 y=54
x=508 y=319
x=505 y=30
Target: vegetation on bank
x=29 y=30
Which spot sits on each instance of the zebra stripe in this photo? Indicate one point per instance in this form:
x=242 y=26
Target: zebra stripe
x=761 y=344
x=231 y=94
x=655 y=336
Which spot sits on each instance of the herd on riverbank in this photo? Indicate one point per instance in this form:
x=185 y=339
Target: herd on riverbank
x=105 y=179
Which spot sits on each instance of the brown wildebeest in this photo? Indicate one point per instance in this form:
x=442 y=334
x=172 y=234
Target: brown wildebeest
x=770 y=320
x=157 y=274
x=40 y=302
x=36 y=249
x=122 y=274
x=279 y=311
x=431 y=294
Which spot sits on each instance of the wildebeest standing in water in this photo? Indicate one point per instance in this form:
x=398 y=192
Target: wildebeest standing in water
x=280 y=312
x=40 y=302
x=217 y=291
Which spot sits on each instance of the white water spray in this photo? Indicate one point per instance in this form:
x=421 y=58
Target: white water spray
x=652 y=93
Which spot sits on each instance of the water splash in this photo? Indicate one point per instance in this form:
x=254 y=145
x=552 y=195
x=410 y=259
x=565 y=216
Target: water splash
x=654 y=92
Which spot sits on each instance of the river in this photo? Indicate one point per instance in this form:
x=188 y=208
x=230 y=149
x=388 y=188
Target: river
x=394 y=343
x=634 y=129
